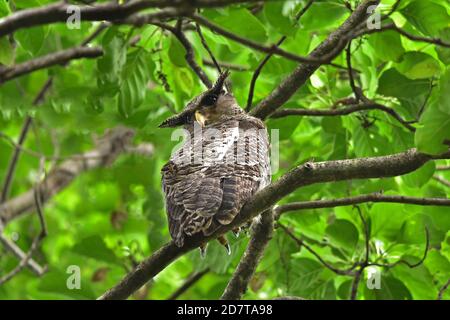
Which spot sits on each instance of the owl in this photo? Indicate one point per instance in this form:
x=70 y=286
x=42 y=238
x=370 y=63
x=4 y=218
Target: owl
x=222 y=162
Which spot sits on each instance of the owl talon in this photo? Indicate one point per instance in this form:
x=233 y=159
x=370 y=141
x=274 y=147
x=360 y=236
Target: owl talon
x=223 y=241
x=202 y=251
x=236 y=231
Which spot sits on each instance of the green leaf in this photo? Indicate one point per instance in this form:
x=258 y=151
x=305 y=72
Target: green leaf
x=94 y=247
x=419 y=177
x=4 y=8
x=309 y=282
x=31 y=39
x=54 y=282
x=184 y=80
x=322 y=15
x=274 y=13
x=6 y=52
x=286 y=126
x=135 y=76
x=363 y=142
x=111 y=64
x=434 y=131
x=391 y=289
x=177 y=52
x=444 y=92
x=427 y=16
x=344 y=290
x=332 y=124
x=343 y=233
x=444 y=53
x=394 y=84
x=418 y=65
x=236 y=18
x=387 y=45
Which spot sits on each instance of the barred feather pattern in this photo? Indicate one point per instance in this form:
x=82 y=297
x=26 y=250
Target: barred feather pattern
x=208 y=180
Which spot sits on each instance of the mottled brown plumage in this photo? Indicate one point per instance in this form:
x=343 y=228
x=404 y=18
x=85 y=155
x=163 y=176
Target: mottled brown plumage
x=223 y=162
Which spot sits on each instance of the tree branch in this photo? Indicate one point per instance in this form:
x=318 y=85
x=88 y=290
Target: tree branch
x=334 y=44
x=373 y=197
x=274 y=49
x=443 y=289
x=261 y=234
x=13 y=248
x=301 y=243
x=49 y=60
x=441 y=180
x=303 y=175
x=190 y=58
x=410 y=36
x=28 y=121
x=192 y=279
x=111 y=11
x=343 y=111
x=267 y=58
x=114 y=143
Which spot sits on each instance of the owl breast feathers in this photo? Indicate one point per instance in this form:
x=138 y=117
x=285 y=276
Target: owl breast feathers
x=209 y=179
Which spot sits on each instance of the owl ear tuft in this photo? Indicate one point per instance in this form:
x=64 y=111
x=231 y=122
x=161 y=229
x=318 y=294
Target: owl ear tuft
x=218 y=86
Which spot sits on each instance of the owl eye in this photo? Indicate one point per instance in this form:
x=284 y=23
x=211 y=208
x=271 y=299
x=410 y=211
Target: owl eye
x=209 y=100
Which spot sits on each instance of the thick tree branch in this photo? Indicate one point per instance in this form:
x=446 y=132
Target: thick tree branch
x=261 y=235
x=334 y=44
x=307 y=174
x=111 y=11
x=49 y=60
x=274 y=49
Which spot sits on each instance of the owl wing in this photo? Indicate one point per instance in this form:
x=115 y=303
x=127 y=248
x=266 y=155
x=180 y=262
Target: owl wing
x=201 y=197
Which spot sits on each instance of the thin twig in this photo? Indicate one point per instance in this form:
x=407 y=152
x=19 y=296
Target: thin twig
x=402 y=261
x=190 y=281
x=207 y=48
x=443 y=289
x=301 y=243
x=226 y=65
x=372 y=197
x=344 y=111
x=190 y=58
x=261 y=65
x=410 y=36
x=442 y=180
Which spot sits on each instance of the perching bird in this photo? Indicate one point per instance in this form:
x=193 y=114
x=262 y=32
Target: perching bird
x=222 y=163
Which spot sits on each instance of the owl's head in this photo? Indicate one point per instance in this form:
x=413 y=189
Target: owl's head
x=207 y=108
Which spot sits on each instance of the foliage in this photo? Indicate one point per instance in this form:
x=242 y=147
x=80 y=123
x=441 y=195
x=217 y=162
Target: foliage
x=111 y=218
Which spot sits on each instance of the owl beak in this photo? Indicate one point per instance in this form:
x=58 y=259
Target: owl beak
x=200 y=118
